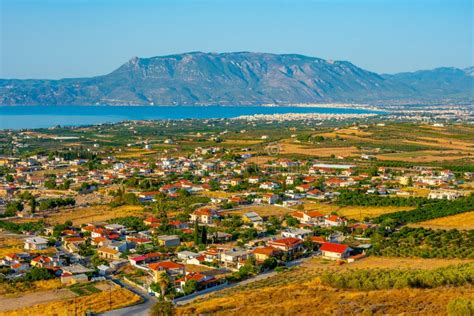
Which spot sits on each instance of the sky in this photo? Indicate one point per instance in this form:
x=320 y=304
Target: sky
x=53 y=39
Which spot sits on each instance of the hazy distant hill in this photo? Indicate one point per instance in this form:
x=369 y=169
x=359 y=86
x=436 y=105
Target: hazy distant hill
x=241 y=78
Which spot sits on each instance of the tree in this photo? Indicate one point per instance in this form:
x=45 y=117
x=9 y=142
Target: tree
x=163 y=281
x=204 y=235
x=190 y=287
x=33 y=204
x=9 y=178
x=13 y=207
x=196 y=232
x=162 y=308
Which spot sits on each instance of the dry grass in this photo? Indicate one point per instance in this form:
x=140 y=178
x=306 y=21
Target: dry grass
x=426 y=155
x=353 y=212
x=136 y=153
x=299 y=292
x=262 y=210
x=95 y=303
x=13 y=290
x=10 y=243
x=459 y=221
x=443 y=142
x=289 y=148
x=386 y=263
x=80 y=216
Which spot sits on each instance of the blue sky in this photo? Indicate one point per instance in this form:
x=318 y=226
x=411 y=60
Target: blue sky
x=74 y=38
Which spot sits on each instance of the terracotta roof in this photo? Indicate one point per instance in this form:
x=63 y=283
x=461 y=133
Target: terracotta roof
x=203 y=211
x=268 y=251
x=314 y=214
x=332 y=247
x=290 y=241
x=165 y=265
x=108 y=250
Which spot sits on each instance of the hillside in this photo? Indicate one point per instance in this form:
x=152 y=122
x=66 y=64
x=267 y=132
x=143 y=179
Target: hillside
x=241 y=78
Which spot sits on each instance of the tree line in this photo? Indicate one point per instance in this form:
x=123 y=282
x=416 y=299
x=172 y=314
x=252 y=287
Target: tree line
x=439 y=208
x=382 y=279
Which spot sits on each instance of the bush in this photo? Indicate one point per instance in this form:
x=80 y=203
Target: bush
x=461 y=307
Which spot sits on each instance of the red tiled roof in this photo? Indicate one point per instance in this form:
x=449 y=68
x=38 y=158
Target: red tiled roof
x=268 y=251
x=332 y=247
x=165 y=265
x=290 y=241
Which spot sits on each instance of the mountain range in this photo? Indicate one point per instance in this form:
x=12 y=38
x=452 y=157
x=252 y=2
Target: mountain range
x=241 y=78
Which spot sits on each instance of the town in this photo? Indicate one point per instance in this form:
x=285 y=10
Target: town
x=171 y=211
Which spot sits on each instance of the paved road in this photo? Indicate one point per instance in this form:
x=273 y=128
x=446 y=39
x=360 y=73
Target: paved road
x=256 y=278
x=141 y=309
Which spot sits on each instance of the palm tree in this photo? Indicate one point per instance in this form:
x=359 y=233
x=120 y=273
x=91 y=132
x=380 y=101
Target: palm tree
x=163 y=281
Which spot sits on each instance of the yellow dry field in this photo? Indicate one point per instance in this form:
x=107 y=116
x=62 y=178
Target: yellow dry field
x=353 y=212
x=217 y=194
x=444 y=142
x=417 y=191
x=385 y=263
x=96 y=303
x=300 y=292
x=464 y=221
x=259 y=160
x=426 y=155
x=10 y=243
x=262 y=210
x=136 y=153
x=20 y=288
x=242 y=142
x=80 y=216
x=290 y=148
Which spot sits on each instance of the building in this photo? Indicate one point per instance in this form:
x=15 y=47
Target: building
x=36 y=243
x=252 y=218
x=288 y=245
x=263 y=253
x=296 y=233
x=170 y=267
x=203 y=216
x=108 y=253
x=169 y=241
x=335 y=251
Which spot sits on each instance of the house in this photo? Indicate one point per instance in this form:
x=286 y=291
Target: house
x=288 y=245
x=234 y=258
x=104 y=270
x=296 y=233
x=211 y=255
x=335 y=251
x=151 y=221
x=203 y=281
x=42 y=262
x=148 y=196
x=147 y=258
x=108 y=253
x=203 y=216
x=170 y=267
x=263 y=253
x=444 y=194
x=252 y=218
x=76 y=269
x=310 y=217
x=269 y=185
x=270 y=198
x=36 y=243
x=334 y=220
x=253 y=180
x=185 y=255
x=69 y=278
x=169 y=241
